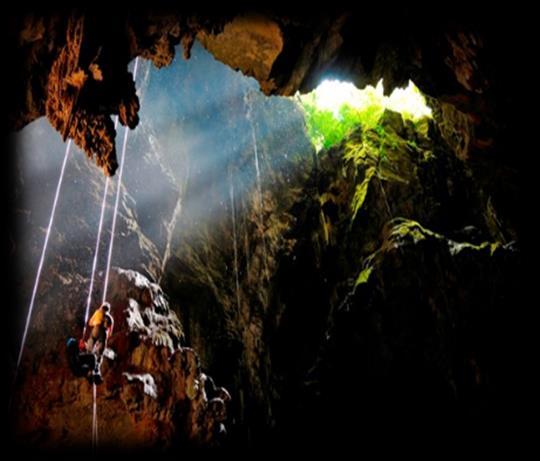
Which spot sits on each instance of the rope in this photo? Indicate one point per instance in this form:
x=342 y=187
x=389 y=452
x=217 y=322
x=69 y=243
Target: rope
x=42 y=258
x=117 y=199
x=96 y=252
x=109 y=257
x=89 y=300
x=38 y=275
x=94 y=418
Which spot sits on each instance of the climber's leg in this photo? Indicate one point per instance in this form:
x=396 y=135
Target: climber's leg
x=90 y=344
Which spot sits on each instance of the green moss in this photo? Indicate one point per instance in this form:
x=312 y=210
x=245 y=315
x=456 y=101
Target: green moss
x=412 y=229
x=412 y=144
x=361 y=192
x=406 y=228
x=376 y=152
x=421 y=126
x=374 y=145
x=458 y=247
x=363 y=277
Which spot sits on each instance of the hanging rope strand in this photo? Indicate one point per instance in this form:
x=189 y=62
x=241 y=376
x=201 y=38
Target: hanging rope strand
x=94 y=418
x=109 y=257
x=117 y=199
x=96 y=253
x=89 y=299
x=42 y=258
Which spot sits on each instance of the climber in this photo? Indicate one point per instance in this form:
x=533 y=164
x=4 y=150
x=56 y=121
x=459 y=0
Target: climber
x=81 y=362
x=101 y=325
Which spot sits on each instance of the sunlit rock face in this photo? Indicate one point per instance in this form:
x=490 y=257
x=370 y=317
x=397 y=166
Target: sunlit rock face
x=250 y=43
x=154 y=394
x=73 y=67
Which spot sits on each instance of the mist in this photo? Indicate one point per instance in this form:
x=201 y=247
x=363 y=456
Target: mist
x=200 y=124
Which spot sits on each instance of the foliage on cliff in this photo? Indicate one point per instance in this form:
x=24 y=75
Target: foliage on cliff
x=335 y=109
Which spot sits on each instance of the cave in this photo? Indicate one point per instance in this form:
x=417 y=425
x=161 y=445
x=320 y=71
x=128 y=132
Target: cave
x=305 y=225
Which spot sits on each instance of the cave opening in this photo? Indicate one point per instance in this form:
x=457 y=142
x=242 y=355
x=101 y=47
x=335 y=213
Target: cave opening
x=335 y=108
x=298 y=261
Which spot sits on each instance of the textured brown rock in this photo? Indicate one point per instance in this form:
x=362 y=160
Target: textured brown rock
x=141 y=310
x=250 y=43
x=73 y=82
x=153 y=393
x=74 y=71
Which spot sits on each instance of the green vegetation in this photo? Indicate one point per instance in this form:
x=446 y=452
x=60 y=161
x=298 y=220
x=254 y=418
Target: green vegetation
x=361 y=192
x=335 y=109
x=326 y=128
x=374 y=152
x=363 y=277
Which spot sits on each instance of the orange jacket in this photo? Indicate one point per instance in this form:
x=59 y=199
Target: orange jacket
x=100 y=318
x=97 y=318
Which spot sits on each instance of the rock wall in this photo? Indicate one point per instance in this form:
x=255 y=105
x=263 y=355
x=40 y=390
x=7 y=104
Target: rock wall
x=154 y=394
x=366 y=278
